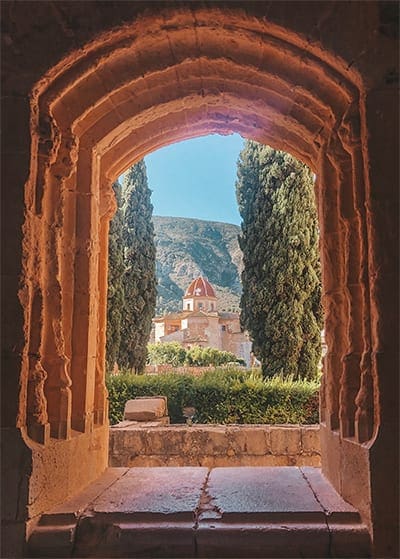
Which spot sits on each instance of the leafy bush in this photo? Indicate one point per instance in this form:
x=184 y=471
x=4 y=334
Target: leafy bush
x=205 y=356
x=172 y=353
x=228 y=395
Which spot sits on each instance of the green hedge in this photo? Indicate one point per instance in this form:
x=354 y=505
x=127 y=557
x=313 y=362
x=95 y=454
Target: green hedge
x=172 y=353
x=221 y=396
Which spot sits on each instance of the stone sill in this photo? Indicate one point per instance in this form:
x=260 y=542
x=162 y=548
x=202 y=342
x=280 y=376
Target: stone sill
x=149 y=444
x=195 y=512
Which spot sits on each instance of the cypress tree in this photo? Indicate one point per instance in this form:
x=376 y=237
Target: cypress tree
x=115 y=295
x=280 y=303
x=139 y=278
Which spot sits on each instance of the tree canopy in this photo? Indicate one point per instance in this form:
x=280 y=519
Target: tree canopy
x=116 y=292
x=280 y=303
x=130 y=315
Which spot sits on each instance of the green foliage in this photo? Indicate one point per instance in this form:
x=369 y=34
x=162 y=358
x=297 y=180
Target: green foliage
x=172 y=353
x=206 y=356
x=123 y=387
x=281 y=279
x=115 y=294
x=131 y=279
x=221 y=396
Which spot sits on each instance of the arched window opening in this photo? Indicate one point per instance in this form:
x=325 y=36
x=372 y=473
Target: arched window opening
x=77 y=306
x=183 y=179
x=122 y=96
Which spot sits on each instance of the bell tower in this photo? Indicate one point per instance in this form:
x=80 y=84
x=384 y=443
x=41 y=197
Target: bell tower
x=200 y=296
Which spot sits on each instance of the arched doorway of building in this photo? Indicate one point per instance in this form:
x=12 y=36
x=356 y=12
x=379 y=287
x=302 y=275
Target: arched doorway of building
x=169 y=75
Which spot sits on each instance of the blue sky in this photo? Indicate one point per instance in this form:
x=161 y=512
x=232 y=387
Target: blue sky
x=196 y=178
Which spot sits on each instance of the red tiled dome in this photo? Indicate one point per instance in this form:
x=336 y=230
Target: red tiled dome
x=200 y=287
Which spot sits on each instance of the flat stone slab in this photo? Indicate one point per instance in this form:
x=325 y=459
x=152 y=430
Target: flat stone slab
x=145 y=408
x=154 y=491
x=192 y=512
x=79 y=503
x=245 y=491
x=331 y=502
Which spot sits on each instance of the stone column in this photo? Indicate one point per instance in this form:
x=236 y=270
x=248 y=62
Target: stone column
x=85 y=313
x=54 y=358
x=107 y=209
x=333 y=296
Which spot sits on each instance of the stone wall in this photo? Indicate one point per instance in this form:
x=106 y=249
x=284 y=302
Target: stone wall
x=215 y=445
x=121 y=79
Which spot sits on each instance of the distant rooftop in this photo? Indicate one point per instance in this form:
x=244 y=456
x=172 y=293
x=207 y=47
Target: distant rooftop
x=200 y=287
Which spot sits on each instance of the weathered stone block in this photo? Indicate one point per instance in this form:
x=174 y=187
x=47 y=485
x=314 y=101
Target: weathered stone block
x=285 y=440
x=237 y=441
x=147 y=461
x=117 y=441
x=255 y=441
x=145 y=409
x=167 y=442
x=216 y=442
x=154 y=442
x=195 y=440
x=134 y=442
x=310 y=440
x=283 y=460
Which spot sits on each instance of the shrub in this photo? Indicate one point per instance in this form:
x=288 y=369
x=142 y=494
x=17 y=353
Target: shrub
x=228 y=395
x=177 y=388
x=172 y=353
x=206 y=356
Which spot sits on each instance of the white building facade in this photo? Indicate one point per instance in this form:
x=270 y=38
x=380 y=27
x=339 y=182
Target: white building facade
x=200 y=323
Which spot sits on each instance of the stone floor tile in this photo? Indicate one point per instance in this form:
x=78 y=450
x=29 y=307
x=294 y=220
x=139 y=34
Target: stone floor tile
x=162 y=490
x=261 y=490
x=81 y=501
x=330 y=500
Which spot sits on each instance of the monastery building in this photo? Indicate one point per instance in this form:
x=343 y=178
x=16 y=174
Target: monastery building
x=200 y=323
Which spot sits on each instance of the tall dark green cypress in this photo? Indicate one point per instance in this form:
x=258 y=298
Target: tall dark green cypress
x=115 y=295
x=139 y=277
x=281 y=279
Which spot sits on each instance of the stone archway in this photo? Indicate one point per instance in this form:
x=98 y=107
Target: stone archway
x=153 y=76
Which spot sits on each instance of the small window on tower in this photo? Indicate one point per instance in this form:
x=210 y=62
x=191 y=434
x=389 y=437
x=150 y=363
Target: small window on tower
x=200 y=305
x=188 y=307
x=223 y=328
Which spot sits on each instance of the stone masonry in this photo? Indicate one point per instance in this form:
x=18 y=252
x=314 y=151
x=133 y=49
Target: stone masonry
x=214 y=445
x=88 y=89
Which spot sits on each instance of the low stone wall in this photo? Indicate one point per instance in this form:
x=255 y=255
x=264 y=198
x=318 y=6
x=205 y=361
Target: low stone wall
x=215 y=445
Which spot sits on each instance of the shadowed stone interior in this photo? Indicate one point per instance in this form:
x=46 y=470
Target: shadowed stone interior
x=90 y=88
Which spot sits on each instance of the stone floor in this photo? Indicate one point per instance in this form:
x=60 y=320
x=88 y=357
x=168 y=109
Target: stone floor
x=195 y=512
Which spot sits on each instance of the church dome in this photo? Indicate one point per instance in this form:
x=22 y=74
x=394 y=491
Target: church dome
x=200 y=287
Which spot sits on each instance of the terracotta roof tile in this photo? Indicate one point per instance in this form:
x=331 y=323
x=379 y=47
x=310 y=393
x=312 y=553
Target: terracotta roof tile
x=200 y=287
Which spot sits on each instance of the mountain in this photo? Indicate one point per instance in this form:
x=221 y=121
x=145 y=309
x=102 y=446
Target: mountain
x=187 y=248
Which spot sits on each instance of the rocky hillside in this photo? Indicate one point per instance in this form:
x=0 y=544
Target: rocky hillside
x=187 y=248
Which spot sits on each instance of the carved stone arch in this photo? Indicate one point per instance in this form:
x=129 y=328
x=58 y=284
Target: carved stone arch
x=137 y=78
x=120 y=100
